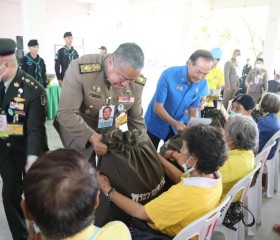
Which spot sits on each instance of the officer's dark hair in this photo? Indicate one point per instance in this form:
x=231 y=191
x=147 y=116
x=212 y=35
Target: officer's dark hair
x=129 y=54
x=259 y=59
x=203 y=54
x=60 y=191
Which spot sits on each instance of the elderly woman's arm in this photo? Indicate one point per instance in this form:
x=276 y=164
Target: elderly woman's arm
x=171 y=171
x=131 y=207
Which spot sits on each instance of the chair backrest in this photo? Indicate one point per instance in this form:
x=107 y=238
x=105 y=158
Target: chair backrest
x=204 y=226
x=274 y=138
x=242 y=184
x=262 y=156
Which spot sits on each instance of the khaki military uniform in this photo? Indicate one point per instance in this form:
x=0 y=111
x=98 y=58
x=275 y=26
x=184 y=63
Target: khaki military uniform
x=85 y=90
x=231 y=81
x=256 y=82
x=29 y=139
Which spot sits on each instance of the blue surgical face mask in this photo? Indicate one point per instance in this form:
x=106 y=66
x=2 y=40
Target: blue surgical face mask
x=232 y=114
x=186 y=169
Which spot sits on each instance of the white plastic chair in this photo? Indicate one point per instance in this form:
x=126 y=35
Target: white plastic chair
x=242 y=184
x=254 y=198
x=204 y=226
x=272 y=168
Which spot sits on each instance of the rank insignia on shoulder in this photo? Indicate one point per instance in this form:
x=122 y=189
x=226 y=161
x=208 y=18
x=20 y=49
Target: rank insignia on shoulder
x=141 y=80
x=90 y=68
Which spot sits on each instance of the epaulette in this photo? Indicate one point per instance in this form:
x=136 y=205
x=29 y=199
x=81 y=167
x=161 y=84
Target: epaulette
x=90 y=68
x=141 y=80
x=31 y=83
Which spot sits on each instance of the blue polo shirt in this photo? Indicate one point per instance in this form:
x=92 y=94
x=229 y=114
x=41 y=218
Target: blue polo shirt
x=177 y=96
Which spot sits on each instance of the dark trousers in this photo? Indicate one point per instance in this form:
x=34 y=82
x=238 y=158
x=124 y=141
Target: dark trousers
x=155 y=140
x=11 y=194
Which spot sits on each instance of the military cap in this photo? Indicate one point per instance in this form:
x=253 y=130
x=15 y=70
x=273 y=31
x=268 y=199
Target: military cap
x=67 y=34
x=33 y=42
x=7 y=46
x=103 y=48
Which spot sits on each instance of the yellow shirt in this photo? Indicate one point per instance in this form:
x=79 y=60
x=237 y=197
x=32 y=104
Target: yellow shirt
x=238 y=165
x=116 y=230
x=183 y=203
x=215 y=78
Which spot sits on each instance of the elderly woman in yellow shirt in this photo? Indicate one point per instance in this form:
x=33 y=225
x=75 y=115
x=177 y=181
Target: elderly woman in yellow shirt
x=241 y=133
x=195 y=193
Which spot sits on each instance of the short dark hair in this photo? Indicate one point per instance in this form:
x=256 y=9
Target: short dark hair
x=208 y=144
x=129 y=54
x=270 y=103
x=246 y=101
x=259 y=59
x=203 y=54
x=60 y=191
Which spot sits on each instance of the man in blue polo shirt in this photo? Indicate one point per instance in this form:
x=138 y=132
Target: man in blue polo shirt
x=177 y=97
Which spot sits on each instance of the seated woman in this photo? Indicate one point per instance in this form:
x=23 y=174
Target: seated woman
x=196 y=192
x=61 y=193
x=241 y=134
x=242 y=105
x=269 y=122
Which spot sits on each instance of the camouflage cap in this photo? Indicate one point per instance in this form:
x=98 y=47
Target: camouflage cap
x=7 y=46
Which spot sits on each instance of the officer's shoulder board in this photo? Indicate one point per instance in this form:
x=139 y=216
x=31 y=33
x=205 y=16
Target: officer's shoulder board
x=141 y=80
x=30 y=83
x=90 y=68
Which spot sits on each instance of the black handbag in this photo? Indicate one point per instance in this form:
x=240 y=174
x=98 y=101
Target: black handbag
x=235 y=214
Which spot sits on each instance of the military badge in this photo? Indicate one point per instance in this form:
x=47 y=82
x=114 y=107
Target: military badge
x=98 y=89
x=90 y=68
x=16 y=84
x=19 y=99
x=16 y=105
x=94 y=95
x=127 y=92
x=141 y=80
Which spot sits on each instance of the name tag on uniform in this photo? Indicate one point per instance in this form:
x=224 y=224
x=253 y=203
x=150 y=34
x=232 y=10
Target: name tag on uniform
x=125 y=99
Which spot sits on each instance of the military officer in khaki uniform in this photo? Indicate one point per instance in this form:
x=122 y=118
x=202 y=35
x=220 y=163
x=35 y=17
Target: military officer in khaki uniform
x=256 y=81
x=92 y=82
x=231 y=78
x=23 y=137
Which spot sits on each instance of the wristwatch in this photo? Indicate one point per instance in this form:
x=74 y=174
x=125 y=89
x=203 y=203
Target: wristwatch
x=108 y=195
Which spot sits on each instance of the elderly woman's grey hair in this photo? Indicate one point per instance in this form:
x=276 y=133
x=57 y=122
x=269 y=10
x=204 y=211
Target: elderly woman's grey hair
x=243 y=130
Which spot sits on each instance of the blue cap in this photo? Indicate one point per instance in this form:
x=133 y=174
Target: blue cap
x=217 y=53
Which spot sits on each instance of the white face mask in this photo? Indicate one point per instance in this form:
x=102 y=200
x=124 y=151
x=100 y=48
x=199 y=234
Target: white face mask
x=258 y=65
x=186 y=169
x=2 y=73
x=232 y=114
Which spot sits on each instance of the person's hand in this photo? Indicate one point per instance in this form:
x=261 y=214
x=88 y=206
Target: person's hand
x=60 y=82
x=104 y=183
x=99 y=147
x=180 y=127
x=171 y=154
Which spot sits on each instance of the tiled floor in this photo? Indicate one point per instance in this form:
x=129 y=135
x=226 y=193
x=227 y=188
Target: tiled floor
x=270 y=208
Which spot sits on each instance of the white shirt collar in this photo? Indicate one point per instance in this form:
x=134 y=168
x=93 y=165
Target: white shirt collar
x=202 y=181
